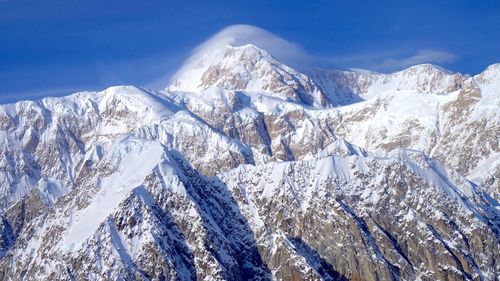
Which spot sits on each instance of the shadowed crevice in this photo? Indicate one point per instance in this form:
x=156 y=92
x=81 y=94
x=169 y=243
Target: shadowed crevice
x=169 y=237
x=437 y=235
x=227 y=229
x=361 y=224
x=394 y=242
x=315 y=261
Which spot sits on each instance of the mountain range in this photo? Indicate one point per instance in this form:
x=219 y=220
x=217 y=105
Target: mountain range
x=246 y=168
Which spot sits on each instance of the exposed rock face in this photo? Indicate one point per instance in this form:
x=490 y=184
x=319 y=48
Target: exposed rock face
x=367 y=228
x=247 y=169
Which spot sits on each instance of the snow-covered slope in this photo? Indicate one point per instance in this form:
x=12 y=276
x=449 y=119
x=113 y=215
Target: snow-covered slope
x=246 y=168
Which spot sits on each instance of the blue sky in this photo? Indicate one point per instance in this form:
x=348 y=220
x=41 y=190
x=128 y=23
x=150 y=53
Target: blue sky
x=60 y=46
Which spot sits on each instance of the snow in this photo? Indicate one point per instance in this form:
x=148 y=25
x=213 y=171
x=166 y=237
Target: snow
x=489 y=83
x=335 y=167
x=481 y=172
x=410 y=215
x=49 y=190
x=139 y=158
x=424 y=78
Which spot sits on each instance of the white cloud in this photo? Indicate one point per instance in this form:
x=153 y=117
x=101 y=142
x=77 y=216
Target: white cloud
x=390 y=60
x=38 y=94
x=422 y=56
x=242 y=34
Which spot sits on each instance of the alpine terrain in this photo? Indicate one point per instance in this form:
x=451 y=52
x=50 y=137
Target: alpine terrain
x=245 y=168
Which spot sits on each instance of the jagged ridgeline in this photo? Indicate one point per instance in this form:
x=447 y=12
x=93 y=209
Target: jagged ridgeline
x=245 y=168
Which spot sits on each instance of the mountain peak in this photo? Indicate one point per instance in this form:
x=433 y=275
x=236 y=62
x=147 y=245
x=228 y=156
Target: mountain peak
x=248 y=52
x=425 y=68
x=492 y=70
x=490 y=76
x=244 y=67
x=202 y=69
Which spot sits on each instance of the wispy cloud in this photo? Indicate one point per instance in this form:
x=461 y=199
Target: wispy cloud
x=389 y=60
x=422 y=56
x=38 y=94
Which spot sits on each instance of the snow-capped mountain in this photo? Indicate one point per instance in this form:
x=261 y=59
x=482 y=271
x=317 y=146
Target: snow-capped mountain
x=246 y=68
x=245 y=168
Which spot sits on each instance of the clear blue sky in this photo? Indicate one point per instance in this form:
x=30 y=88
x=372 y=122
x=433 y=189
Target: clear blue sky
x=59 y=46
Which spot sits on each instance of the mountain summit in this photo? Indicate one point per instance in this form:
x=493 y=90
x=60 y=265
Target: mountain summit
x=246 y=68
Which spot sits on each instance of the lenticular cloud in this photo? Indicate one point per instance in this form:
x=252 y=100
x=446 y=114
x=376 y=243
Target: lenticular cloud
x=242 y=34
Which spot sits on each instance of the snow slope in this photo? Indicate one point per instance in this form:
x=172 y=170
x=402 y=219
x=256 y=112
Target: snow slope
x=135 y=159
